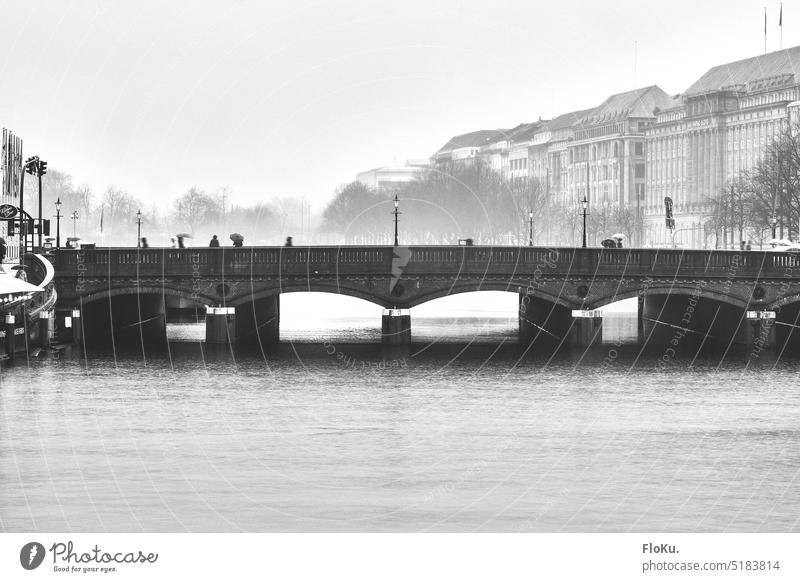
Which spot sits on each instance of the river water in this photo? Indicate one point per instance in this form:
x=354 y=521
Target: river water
x=464 y=431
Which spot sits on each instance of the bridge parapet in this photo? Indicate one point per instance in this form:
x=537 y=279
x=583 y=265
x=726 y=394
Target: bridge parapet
x=431 y=260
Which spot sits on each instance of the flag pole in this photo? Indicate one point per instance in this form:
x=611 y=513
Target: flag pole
x=765 y=30
x=780 y=25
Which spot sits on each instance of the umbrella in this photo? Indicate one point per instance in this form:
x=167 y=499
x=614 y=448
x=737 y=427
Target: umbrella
x=618 y=235
x=236 y=237
x=73 y=238
x=779 y=242
x=15 y=267
x=183 y=235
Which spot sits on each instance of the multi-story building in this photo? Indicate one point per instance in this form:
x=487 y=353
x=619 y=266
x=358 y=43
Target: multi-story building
x=391 y=177
x=468 y=147
x=715 y=132
x=608 y=148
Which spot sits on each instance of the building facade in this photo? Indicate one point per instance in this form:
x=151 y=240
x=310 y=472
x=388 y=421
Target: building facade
x=389 y=178
x=715 y=133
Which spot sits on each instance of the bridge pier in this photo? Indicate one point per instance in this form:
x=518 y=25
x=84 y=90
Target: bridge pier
x=46 y=328
x=258 y=322
x=587 y=329
x=396 y=327
x=759 y=331
x=125 y=319
x=10 y=327
x=541 y=321
x=220 y=325
x=687 y=323
x=68 y=325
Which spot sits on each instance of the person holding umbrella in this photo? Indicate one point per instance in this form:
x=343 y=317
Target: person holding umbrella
x=180 y=236
x=238 y=239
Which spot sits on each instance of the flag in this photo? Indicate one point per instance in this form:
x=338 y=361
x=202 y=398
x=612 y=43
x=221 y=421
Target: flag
x=780 y=16
x=102 y=208
x=765 y=21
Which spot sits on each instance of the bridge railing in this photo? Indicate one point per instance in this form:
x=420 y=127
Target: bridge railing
x=445 y=260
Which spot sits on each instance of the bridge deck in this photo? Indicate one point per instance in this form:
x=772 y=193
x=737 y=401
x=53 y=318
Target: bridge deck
x=425 y=260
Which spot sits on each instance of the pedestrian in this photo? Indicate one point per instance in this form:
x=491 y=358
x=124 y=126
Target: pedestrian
x=214 y=241
x=748 y=246
x=144 y=242
x=2 y=251
x=238 y=242
x=180 y=243
x=288 y=242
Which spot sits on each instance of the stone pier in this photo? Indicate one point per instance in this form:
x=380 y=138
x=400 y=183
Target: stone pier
x=587 y=328
x=543 y=322
x=396 y=327
x=220 y=325
x=125 y=320
x=258 y=322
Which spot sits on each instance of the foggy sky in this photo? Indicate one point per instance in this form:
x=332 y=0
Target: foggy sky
x=292 y=98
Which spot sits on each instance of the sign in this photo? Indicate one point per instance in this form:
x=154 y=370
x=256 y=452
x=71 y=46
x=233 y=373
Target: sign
x=8 y=211
x=668 y=212
x=586 y=313
x=760 y=315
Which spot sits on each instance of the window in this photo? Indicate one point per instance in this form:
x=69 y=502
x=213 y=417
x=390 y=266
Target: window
x=639 y=171
x=638 y=148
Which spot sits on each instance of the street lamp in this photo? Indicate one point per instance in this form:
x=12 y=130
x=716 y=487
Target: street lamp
x=139 y=228
x=396 y=212
x=774 y=223
x=530 y=228
x=585 y=205
x=75 y=216
x=58 y=222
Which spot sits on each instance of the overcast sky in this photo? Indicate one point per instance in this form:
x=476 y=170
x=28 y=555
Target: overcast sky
x=294 y=98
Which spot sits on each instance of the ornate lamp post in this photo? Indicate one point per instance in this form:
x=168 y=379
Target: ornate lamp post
x=774 y=222
x=530 y=228
x=75 y=216
x=58 y=222
x=396 y=212
x=585 y=205
x=139 y=228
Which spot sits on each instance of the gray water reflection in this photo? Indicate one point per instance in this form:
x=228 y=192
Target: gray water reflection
x=457 y=436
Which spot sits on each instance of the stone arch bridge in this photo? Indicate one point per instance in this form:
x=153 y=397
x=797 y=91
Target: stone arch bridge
x=123 y=291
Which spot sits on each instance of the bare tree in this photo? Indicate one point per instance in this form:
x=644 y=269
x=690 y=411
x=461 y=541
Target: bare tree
x=194 y=208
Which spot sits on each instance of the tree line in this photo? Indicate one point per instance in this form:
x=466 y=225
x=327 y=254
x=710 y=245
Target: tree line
x=459 y=201
x=110 y=218
x=761 y=200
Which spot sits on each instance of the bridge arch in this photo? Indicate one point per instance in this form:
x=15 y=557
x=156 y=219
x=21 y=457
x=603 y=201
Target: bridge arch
x=333 y=289
x=178 y=292
x=676 y=290
x=488 y=285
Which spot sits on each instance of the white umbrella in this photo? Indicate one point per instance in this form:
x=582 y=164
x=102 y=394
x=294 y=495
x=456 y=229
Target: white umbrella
x=779 y=242
x=618 y=235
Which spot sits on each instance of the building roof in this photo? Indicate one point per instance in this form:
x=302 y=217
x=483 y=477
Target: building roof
x=566 y=120
x=637 y=103
x=473 y=139
x=784 y=62
x=525 y=131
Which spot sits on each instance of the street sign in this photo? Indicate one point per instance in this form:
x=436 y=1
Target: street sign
x=8 y=211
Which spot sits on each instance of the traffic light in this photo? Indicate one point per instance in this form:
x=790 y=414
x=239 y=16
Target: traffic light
x=11 y=231
x=32 y=165
x=42 y=167
x=46 y=227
